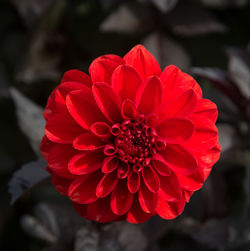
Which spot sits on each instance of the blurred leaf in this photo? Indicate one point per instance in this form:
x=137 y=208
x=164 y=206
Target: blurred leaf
x=45 y=214
x=127 y=18
x=30 y=119
x=62 y=220
x=31 y=10
x=87 y=239
x=54 y=223
x=165 y=5
x=35 y=228
x=221 y=81
x=247 y=189
x=4 y=92
x=244 y=247
x=185 y=243
x=214 y=234
x=215 y=194
x=228 y=112
x=44 y=54
x=116 y=236
x=58 y=220
x=26 y=177
x=227 y=136
x=129 y=237
x=83 y=8
x=107 y=4
x=167 y=51
x=154 y=228
x=239 y=69
x=189 y=20
x=224 y=3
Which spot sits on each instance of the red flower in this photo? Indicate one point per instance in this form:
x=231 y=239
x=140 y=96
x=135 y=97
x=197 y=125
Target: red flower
x=130 y=141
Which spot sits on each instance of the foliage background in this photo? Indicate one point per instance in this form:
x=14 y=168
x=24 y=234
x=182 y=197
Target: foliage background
x=41 y=39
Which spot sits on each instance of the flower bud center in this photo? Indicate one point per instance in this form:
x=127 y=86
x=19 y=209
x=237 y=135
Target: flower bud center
x=135 y=142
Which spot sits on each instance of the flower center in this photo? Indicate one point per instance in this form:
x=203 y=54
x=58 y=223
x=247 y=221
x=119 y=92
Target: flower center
x=136 y=142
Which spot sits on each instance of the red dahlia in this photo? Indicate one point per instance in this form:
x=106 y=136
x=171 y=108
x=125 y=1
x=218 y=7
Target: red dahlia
x=129 y=141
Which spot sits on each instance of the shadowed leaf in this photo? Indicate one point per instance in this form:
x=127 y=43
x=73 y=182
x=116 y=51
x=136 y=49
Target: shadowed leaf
x=165 y=5
x=167 y=51
x=35 y=228
x=31 y=10
x=128 y=18
x=87 y=239
x=30 y=119
x=193 y=21
x=44 y=55
x=227 y=136
x=214 y=234
x=221 y=81
x=26 y=177
x=221 y=4
x=239 y=69
x=53 y=223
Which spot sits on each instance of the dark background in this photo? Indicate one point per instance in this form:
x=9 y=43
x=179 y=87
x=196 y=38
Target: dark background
x=41 y=39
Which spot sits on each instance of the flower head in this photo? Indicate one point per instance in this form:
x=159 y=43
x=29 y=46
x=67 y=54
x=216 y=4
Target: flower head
x=129 y=141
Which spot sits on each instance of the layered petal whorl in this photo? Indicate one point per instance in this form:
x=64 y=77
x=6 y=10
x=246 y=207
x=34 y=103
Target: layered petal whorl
x=129 y=141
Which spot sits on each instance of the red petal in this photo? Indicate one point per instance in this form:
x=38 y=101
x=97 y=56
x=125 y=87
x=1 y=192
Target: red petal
x=208 y=158
x=77 y=76
x=116 y=129
x=205 y=135
x=179 y=160
x=83 y=108
x=147 y=199
x=60 y=184
x=173 y=78
x=109 y=164
x=123 y=170
x=206 y=173
x=67 y=87
x=62 y=128
x=136 y=214
x=170 y=189
x=151 y=179
x=101 y=129
x=178 y=103
x=58 y=159
x=88 y=141
x=83 y=189
x=142 y=61
x=170 y=210
x=121 y=199
x=109 y=150
x=160 y=165
x=148 y=97
x=97 y=211
x=46 y=146
x=152 y=120
x=56 y=102
x=206 y=108
x=187 y=195
x=133 y=182
x=85 y=163
x=192 y=182
x=102 y=68
x=107 y=101
x=106 y=185
x=128 y=110
x=125 y=82
x=175 y=130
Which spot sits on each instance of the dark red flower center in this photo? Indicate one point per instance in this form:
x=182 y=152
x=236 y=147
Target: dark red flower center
x=136 y=142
